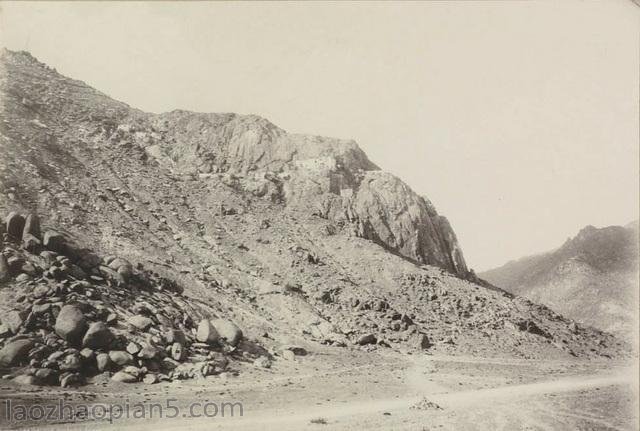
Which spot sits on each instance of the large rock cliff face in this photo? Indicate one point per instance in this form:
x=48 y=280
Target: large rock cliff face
x=337 y=179
x=333 y=177
x=387 y=211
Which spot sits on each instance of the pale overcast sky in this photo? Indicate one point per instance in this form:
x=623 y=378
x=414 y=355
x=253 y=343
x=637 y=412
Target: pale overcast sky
x=519 y=120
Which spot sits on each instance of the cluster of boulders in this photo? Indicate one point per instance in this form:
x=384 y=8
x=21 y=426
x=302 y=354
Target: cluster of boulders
x=378 y=323
x=77 y=316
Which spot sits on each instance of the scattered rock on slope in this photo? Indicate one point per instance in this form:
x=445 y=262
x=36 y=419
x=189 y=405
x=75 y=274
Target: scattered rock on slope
x=61 y=322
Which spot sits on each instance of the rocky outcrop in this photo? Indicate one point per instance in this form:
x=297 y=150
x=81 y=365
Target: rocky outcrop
x=333 y=177
x=387 y=211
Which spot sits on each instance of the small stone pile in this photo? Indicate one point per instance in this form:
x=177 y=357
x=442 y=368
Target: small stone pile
x=77 y=316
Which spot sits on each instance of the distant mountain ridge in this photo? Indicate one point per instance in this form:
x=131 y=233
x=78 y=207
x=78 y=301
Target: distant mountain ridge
x=592 y=278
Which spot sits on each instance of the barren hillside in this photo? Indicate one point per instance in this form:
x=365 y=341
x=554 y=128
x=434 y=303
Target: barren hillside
x=297 y=239
x=592 y=278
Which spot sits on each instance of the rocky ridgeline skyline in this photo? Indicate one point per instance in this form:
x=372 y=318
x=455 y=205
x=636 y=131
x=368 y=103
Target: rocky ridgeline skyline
x=331 y=177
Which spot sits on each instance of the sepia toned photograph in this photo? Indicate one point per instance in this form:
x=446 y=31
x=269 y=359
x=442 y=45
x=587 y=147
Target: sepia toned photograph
x=367 y=215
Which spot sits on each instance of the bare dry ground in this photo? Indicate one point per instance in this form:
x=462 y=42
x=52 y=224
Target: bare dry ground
x=333 y=389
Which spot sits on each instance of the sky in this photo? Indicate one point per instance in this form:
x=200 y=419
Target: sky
x=518 y=120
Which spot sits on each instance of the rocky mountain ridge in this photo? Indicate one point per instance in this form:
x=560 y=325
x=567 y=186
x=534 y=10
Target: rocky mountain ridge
x=298 y=240
x=333 y=174
x=592 y=277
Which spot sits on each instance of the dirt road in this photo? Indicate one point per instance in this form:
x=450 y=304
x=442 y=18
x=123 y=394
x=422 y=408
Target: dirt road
x=552 y=403
x=349 y=416
x=353 y=391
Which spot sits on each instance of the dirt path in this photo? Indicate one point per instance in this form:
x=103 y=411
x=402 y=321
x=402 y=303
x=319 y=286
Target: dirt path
x=526 y=406
x=390 y=392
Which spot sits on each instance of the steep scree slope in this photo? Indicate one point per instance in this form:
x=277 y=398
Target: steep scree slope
x=295 y=238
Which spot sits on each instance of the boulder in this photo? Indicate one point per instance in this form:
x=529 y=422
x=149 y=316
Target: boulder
x=178 y=352
x=71 y=379
x=5 y=271
x=206 y=332
x=98 y=336
x=134 y=371
x=262 y=362
x=15 y=225
x=40 y=308
x=103 y=362
x=175 y=336
x=141 y=322
x=123 y=377
x=48 y=258
x=297 y=350
x=31 y=226
x=121 y=265
x=14 y=320
x=40 y=352
x=117 y=269
x=150 y=379
x=72 y=362
x=111 y=274
x=148 y=352
x=71 y=324
x=422 y=342
x=15 y=264
x=15 y=352
x=29 y=269
x=120 y=357
x=47 y=375
x=24 y=379
x=55 y=356
x=4 y=330
x=288 y=355
x=367 y=339
x=133 y=347
x=112 y=319
x=228 y=331
x=31 y=243
x=87 y=260
x=87 y=354
x=41 y=291
x=54 y=241
x=76 y=272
